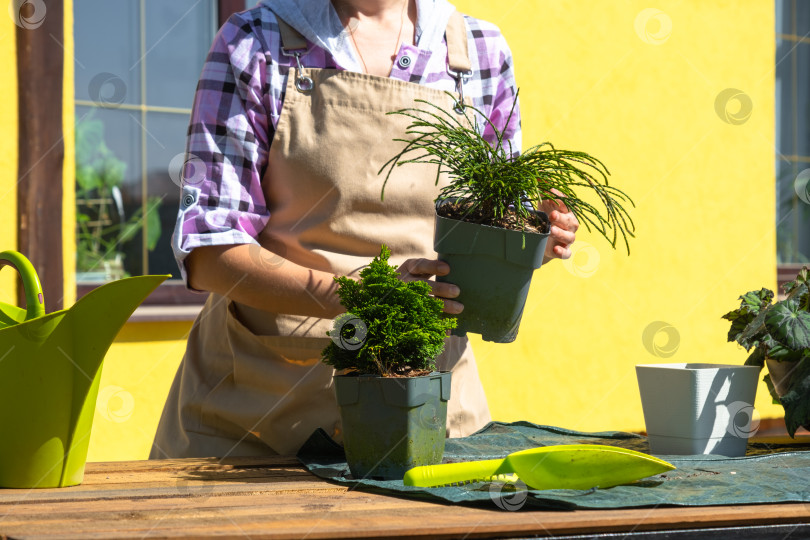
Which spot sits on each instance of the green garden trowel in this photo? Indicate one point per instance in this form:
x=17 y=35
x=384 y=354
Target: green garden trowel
x=568 y=466
x=50 y=368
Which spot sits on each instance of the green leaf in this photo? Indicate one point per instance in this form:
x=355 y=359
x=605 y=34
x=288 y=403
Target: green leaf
x=775 y=350
x=755 y=300
x=797 y=400
x=771 y=389
x=755 y=331
x=751 y=304
x=789 y=325
x=802 y=280
x=153 y=228
x=756 y=358
x=401 y=324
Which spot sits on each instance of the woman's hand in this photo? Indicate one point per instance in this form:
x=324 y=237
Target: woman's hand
x=564 y=225
x=423 y=270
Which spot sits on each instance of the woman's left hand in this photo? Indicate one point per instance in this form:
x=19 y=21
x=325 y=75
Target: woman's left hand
x=564 y=225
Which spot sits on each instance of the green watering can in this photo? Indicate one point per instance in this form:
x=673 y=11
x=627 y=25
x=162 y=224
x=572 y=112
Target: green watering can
x=50 y=368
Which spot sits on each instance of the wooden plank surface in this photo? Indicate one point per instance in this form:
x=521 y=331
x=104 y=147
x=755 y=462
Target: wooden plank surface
x=276 y=497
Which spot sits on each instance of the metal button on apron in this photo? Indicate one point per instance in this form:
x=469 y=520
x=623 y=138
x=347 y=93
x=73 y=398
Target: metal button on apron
x=404 y=61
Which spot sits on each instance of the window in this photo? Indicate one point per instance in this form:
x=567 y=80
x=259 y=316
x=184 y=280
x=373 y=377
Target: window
x=137 y=63
x=136 y=68
x=792 y=134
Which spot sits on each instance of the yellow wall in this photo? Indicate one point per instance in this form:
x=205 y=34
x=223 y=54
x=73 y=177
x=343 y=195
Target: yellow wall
x=8 y=154
x=138 y=371
x=641 y=97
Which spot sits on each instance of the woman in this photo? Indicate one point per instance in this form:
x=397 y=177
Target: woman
x=289 y=127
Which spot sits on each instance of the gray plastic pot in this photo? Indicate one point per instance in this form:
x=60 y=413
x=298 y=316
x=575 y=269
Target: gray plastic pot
x=392 y=424
x=698 y=408
x=493 y=267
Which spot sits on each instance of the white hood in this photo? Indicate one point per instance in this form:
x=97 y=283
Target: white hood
x=317 y=21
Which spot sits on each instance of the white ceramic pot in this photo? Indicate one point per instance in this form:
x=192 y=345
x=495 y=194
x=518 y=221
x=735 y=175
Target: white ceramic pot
x=698 y=408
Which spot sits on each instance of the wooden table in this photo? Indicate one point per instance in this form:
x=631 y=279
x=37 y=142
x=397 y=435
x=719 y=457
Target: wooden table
x=276 y=497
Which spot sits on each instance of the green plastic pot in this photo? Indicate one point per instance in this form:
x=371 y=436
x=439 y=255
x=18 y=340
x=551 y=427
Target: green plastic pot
x=50 y=368
x=392 y=424
x=493 y=268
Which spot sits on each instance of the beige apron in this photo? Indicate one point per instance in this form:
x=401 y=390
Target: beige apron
x=252 y=382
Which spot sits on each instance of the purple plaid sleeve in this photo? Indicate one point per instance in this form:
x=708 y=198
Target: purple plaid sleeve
x=238 y=103
x=228 y=140
x=493 y=71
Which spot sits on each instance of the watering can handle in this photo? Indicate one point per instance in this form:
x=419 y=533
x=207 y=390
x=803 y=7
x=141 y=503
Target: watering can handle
x=34 y=299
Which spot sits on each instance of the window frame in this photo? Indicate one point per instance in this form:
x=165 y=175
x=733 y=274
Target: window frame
x=41 y=153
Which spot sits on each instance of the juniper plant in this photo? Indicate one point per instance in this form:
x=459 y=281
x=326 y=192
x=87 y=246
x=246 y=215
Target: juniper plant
x=493 y=180
x=390 y=327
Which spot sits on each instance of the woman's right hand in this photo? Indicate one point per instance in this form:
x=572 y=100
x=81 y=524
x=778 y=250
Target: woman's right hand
x=423 y=270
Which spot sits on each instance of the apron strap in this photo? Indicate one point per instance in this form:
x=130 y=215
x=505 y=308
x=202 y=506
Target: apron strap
x=458 y=59
x=294 y=44
x=291 y=39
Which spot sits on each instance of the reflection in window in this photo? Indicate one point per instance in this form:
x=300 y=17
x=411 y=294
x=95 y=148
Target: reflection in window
x=136 y=68
x=793 y=130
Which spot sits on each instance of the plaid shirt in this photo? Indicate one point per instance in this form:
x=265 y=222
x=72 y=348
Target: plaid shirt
x=237 y=106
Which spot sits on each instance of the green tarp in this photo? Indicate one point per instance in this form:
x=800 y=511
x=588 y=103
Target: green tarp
x=767 y=474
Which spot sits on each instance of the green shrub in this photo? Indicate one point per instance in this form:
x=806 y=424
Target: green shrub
x=493 y=180
x=390 y=327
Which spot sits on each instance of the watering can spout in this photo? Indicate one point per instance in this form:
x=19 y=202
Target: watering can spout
x=49 y=378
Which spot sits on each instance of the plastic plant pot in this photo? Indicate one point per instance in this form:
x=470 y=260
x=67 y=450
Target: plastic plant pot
x=493 y=268
x=392 y=424
x=698 y=408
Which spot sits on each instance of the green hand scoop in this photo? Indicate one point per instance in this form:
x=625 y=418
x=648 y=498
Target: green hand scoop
x=568 y=466
x=50 y=368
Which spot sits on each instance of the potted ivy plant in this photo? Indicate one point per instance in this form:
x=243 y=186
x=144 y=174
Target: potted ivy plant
x=489 y=228
x=393 y=404
x=777 y=334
